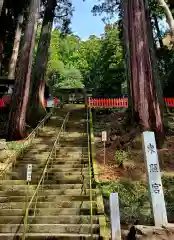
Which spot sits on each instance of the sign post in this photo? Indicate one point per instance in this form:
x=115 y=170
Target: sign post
x=29 y=173
x=154 y=179
x=115 y=217
x=104 y=139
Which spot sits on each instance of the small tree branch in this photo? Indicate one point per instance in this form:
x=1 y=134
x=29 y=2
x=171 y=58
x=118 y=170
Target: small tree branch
x=169 y=18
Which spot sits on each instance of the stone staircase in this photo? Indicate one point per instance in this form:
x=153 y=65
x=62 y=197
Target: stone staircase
x=63 y=205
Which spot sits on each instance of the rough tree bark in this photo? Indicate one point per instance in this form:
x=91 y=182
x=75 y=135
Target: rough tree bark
x=143 y=86
x=1 y=5
x=133 y=61
x=38 y=84
x=17 y=116
x=156 y=77
x=3 y=23
x=125 y=24
x=13 y=60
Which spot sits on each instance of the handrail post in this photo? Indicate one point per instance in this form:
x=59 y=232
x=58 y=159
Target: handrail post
x=115 y=217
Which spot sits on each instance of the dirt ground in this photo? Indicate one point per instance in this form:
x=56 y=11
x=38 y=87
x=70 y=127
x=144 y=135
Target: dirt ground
x=124 y=172
x=129 y=162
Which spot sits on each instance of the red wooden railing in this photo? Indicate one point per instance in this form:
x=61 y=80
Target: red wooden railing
x=97 y=102
x=4 y=101
x=118 y=102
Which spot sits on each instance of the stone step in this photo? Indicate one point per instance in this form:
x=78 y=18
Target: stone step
x=57 y=166
x=50 y=176
x=75 y=148
x=10 y=185
x=63 y=160
x=41 y=158
x=50 y=228
x=53 y=204
x=48 y=211
x=52 y=192
x=52 y=170
x=73 y=155
x=43 y=236
x=74 y=142
x=61 y=219
x=21 y=174
x=76 y=179
x=49 y=198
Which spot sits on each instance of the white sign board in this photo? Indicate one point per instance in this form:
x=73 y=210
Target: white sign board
x=29 y=172
x=104 y=136
x=154 y=179
x=115 y=217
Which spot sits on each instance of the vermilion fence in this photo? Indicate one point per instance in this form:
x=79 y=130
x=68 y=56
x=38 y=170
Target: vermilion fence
x=4 y=101
x=118 y=102
x=96 y=102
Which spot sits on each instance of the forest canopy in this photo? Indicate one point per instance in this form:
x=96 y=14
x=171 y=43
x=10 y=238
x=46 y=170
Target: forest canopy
x=95 y=63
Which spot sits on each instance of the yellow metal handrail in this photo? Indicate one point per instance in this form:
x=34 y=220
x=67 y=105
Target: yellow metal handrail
x=90 y=174
x=41 y=181
x=28 y=140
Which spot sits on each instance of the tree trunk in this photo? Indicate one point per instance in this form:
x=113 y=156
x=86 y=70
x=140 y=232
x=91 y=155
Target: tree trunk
x=125 y=24
x=146 y=106
x=169 y=18
x=133 y=62
x=37 y=93
x=156 y=76
x=3 y=29
x=13 y=60
x=158 y=31
x=1 y=5
x=17 y=116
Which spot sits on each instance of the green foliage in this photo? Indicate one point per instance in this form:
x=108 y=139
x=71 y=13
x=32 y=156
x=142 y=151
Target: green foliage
x=120 y=157
x=95 y=63
x=134 y=199
x=72 y=78
x=110 y=67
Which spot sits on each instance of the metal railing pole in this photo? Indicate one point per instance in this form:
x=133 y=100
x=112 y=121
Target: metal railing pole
x=90 y=176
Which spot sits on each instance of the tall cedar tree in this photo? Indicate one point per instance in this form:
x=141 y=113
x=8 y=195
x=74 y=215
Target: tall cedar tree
x=145 y=104
x=38 y=75
x=17 y=116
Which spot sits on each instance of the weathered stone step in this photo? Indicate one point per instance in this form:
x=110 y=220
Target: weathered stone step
x=54 y=178
x=50 y=228
x=74 y=142
x=73 y=155
x=61 y=219
x=57 y=166
x=68 y=192
x=64 y=170
x=58 y=180
x=48 y=211
x=21 y=174
x=43 y=236
x=41 y=158
x=63 y=160
x=45 y=198
x=75 y=148
x=53 y=204
x=10 y=185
